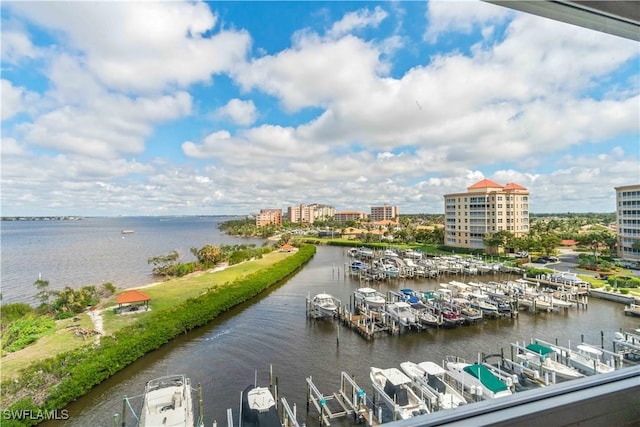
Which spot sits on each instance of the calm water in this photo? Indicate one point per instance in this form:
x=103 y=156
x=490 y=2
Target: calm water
x=273 y=329
x=93 y=251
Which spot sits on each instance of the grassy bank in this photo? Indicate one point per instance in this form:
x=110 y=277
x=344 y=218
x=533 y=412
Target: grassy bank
x=177 y=307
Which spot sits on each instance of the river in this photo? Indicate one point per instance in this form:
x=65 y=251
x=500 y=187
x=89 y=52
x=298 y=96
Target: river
x=273 y=330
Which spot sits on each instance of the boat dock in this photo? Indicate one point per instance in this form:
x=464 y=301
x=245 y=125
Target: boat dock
x=349 y=400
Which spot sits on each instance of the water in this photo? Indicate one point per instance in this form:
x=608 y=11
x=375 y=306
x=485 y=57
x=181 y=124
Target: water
x=93 y=251
x=273 y=329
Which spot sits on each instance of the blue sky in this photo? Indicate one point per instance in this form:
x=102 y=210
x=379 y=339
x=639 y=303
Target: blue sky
x=181 y=108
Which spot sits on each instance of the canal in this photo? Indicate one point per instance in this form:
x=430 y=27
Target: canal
x=225 y=356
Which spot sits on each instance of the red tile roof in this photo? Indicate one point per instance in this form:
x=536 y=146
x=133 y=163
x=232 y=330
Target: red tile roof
x=568 y=242
x=485 y=183
x=132 y=296
x=513 y=186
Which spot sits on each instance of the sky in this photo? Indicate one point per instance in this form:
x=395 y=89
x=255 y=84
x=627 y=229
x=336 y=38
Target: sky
x=224 y=108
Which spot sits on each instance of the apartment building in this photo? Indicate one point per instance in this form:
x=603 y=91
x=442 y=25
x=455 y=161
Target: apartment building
x=345 y=216
x=323 y=212
x=308 y=214
x=628 y=221
x=486 y=207
x=268 y=217
x=383 y=213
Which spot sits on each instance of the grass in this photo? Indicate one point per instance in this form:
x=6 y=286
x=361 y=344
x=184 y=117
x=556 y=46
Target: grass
x=163 y=295
x=59 y=340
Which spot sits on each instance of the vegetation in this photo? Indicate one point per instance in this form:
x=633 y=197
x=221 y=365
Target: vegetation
x=69 y=375
x=24 y=330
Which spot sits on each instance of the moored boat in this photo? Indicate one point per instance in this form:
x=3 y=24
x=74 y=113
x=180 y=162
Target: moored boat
x=433 y=377
x=167 y=402
x=476 y=379
x=325 y=305
x=369 y=297
x=395 y=389
x=259 y=407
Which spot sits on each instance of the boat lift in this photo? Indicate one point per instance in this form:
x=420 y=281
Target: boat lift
x=350 y=399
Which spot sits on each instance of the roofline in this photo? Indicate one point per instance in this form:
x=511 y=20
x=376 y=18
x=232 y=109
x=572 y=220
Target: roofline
x=619 y=18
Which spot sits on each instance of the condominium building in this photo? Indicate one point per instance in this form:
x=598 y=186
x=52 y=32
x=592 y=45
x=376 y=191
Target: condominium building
x=301 y=214
x=486 y=207
x=345 y=216
x=323 y=211
x=308 y=214
x=382 y=213
x=628 y=221
x=268 y=217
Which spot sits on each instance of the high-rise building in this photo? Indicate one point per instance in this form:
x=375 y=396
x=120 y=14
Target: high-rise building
x=382 y=213
x=269 y=216
x=345 y=216
x=628 y=221
x=486 y=207
x=308 y=214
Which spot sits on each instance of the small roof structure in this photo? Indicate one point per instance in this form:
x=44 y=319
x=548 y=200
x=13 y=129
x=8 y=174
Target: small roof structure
x=287 y=247
x=132 y=296
x=514 y=186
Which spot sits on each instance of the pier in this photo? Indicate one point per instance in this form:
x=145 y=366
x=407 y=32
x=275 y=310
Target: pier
x=349 y=400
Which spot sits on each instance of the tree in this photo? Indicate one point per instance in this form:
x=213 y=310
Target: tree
x=208 y=255
x=549 y=242
x=499 y=239
x=165 y=265
x=43 y=294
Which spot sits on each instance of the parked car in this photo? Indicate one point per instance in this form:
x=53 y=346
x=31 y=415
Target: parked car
x=522 y=254
x=541 y=260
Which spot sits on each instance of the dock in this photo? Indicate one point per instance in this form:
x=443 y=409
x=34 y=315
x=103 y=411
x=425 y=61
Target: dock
x=349 y=400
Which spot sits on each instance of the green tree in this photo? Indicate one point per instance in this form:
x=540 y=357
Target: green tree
x=165 y=265
x=208 y=255
x=43 y=294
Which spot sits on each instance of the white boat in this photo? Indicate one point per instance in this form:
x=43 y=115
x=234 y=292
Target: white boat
x=402 y=313
x=167 y=402
x=588 y=360
x=395 y=389
x=432 y=377
x=325 y=305
x=369 y=297
x=259 y=408
x=476 y=379
x=540 y=356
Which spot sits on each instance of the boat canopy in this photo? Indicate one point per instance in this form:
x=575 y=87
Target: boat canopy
x=486 y=377
x=540 y=349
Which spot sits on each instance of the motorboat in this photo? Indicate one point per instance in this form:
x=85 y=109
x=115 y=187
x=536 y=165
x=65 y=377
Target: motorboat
x=325 y=305
x=402 y=313
x=470 y=314
x=588 y=360
x=481 y=302
x=541 y=357
x=425 y=314
x=476 y=379
x=259 y=407
x=167 y=402
x=369 y=297
x=395 y=389
x=431 y=378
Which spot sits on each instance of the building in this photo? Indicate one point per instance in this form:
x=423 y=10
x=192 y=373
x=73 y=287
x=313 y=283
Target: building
x=323 y=212
x=308 y=214
x=382 y=213
x=301 y=214
x=486 y=207
x=628 y=221
x=268 y=217
x=350 y=216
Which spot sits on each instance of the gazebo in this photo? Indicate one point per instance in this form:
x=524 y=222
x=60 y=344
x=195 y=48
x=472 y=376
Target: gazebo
x=133 y=297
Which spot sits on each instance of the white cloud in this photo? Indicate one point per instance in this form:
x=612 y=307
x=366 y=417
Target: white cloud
x=356 y=20
x=240 y=112
x=142 y=46
x=454 y=16
x=16 y=45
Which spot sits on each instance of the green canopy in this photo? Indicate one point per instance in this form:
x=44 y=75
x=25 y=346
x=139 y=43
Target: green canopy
x=486 y=377
x=540 y=349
